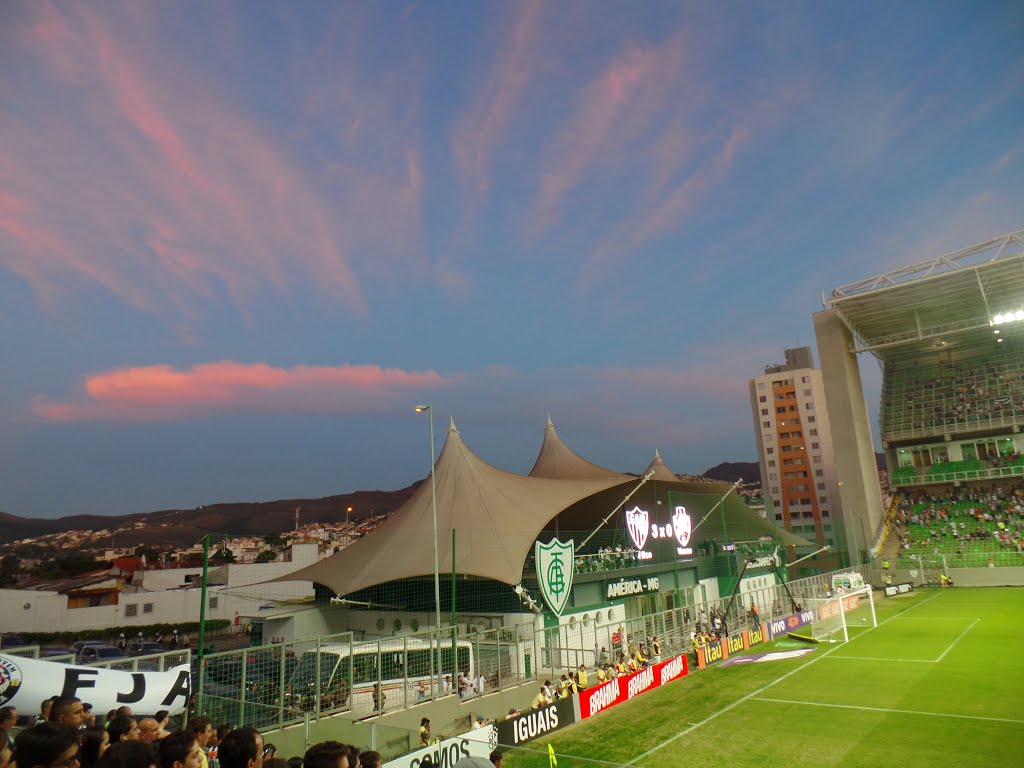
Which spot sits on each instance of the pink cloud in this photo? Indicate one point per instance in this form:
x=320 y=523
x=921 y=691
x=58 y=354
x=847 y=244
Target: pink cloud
x=179 y=196
x=484 y=123
x=161 y=393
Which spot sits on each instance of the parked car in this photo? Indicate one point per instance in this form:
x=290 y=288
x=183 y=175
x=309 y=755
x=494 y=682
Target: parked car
x=78 y=645
x=92 y=654
x=12 y=641
x=50 y=651
x=139 y=648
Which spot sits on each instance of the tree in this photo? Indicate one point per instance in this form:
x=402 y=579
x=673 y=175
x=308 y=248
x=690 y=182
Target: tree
x=266 y=556
x=222 y=556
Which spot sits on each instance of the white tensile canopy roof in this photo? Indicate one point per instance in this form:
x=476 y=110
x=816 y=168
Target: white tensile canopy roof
x=558 y=461
x=497 y=516
x=661 y=472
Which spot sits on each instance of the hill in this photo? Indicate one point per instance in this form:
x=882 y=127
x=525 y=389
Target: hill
x=182 y=527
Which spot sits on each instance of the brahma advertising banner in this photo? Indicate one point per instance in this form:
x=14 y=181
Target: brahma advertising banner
x=539 y=722
x=624 y=688
x=25 y=682
x=447 y=753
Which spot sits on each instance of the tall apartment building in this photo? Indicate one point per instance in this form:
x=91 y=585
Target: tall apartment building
x=794 y=449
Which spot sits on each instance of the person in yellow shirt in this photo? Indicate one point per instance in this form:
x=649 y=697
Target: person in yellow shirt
x=602 y=676
x=656 y=647
x=633 y=666
x=540 y=700
x=582 y=677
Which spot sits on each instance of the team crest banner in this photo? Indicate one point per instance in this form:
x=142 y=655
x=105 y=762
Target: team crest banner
x=637 y=522
x=555 y=568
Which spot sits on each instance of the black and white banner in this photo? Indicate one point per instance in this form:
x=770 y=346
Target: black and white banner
x=447 y=753
x=891 y=590
x=25 y=682
x=538 y=722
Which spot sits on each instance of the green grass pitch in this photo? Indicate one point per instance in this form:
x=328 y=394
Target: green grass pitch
x=939 y=682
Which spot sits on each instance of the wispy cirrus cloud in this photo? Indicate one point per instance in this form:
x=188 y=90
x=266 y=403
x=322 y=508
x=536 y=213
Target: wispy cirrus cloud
x=159 y=393
x=167 y=192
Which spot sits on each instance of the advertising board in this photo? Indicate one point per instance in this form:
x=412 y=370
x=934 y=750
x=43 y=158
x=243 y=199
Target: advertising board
x=624 y=688
x=447 y=753
x=891 y=590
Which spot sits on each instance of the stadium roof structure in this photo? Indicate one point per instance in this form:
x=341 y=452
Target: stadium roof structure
x=953 y=302
x=660 y=470
x=557 y=460
x=497 y=515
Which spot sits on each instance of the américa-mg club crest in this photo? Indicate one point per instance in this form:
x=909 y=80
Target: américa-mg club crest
x=556 y=565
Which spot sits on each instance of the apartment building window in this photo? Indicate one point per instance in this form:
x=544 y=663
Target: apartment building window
x=764 y=411
x=816 y=459
x=819 y=472
x=824 y=513
x=766 y=424
x=814 y=433
x=809 y=515
x=805 y=379
x=147 y=607
x=822 y=499
x=810 y=419
x=821 y=486
x=773 y=476
x=781 y=410
x=814 y=445
x=778 y=515
x=214 y=601
x=771 y=463
x=807 y=393
x=775 y=490
x=131 y=610
x=760 y=386
x=792 y=408
x=769 y=450
x=764 y=398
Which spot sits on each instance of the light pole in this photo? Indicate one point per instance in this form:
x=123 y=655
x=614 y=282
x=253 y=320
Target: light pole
x=437 y=577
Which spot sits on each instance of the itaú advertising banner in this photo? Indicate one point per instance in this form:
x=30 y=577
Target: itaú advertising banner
x=26 y=682
x=625 y=687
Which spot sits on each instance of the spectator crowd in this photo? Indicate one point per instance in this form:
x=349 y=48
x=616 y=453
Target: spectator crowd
x=67 y=734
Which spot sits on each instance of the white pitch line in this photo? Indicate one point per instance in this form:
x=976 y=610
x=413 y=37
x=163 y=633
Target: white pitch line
x=879 y=658
x=752 y=694
x=958 y=639
x=890 y=711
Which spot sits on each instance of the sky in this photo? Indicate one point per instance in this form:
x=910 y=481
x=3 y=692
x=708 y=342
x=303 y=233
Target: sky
x=240 y=241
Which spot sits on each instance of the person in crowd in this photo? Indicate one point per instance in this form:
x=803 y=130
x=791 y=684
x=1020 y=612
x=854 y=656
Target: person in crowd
x=46 y=745
x=370 y=759
x=479 y=684
x=163 y=719
x=326 y=754
x=68 y=712
x=424 y=731
x=180 y=750
x=8 y=719
x=6 y=754
x=581 y=677
x=123 y=728
x=541 y=699
x=495 y=758
x=202 y=727
x=294 y=762
x=110 y=716
x=95 y=741
x=128 y=754
x=243 y=748
x=44 y=710
x=446 y=685
x=379 y=697
x=149 y=730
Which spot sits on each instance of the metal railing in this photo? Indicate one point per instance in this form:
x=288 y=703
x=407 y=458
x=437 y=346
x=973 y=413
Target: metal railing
x=984 y=473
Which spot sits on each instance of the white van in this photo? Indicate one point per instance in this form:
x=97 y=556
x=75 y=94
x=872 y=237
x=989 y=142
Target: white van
x=850 y=582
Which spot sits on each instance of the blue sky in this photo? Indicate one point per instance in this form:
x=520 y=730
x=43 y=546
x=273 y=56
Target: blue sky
x=239 y=241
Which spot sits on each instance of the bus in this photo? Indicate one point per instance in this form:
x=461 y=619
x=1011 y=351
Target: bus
x=404 y=668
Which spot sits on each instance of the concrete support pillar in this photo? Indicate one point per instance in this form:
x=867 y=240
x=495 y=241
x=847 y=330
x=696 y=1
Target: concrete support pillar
x=859 y=493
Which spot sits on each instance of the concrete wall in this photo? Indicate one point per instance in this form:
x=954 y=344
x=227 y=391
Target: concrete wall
x=962 y=577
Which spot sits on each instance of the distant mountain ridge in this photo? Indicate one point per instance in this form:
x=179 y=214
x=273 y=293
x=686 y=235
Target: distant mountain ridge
x=186 y=526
